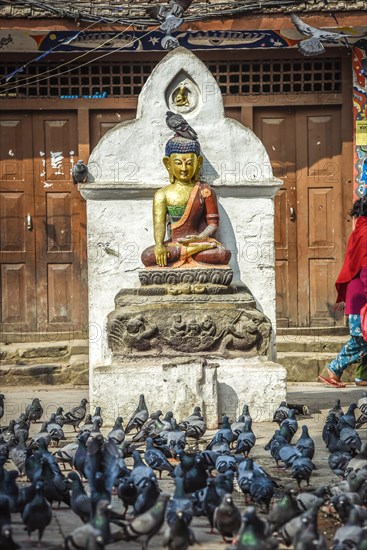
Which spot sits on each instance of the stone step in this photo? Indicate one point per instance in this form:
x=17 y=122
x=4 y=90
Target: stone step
x=313 y=331
x=310 y=344
x=44 y=374
x=305 y=367
x=41 y=352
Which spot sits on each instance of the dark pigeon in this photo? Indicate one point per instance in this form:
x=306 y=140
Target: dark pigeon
x=302 y=469
x=37 y=514
x=6 y=539
x=80 y=172
x=117 y=433
x=2 y=405
x=179 y=502
x=338 y=462
x=246 y=439
x=156 y=459
x=283 y=511
x=227 y=518
x=281 y=413
x=34 y=410
x=180 y=126
x=254 y=533
x=178 y=535
x=79 y=501
x=262 y=490
x=148 y=494
x=76 y=415
x=145 y=526
x=305 y=444
x=350 y=534
x=139 y=416
x=362 y=406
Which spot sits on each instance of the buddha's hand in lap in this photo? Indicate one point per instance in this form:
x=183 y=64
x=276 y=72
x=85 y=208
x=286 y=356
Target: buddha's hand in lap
x=194 y=239
x=160 y=251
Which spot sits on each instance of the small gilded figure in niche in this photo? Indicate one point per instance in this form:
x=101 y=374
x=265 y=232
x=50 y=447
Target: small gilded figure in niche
x=181 y=99
x=190 y=210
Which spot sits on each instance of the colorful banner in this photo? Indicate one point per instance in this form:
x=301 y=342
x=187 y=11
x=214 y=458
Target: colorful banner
x=65 y=41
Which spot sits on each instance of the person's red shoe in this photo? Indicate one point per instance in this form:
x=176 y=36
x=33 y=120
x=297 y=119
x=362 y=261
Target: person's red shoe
x=331 y=382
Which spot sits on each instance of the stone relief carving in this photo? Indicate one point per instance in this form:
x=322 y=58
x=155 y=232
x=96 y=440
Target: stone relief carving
x=161 y=332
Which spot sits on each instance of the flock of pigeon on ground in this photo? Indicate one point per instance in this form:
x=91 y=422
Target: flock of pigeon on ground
x=206 y=481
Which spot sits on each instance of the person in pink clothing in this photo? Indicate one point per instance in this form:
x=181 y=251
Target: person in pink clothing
x=351 y=286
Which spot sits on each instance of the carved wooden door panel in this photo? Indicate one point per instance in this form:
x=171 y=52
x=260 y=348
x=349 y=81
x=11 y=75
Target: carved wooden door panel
x=103 y=120
x=59 y=224
x=276 y=130
x=304 y=145
x=17 y=242
x=320 y=219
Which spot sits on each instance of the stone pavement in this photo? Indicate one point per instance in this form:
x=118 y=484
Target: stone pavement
x=317 y=397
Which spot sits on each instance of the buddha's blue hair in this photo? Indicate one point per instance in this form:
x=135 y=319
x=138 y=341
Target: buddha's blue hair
x=182 y=145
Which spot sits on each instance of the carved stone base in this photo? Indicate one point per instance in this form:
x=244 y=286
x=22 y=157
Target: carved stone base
x=223 y=322
x=220 y=386
x=200 y=275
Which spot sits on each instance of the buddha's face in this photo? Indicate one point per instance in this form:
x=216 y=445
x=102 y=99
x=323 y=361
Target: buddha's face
x=183 y=166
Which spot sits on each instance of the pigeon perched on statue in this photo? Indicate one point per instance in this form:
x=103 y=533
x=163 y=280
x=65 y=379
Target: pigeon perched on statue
x=180 y=126
x=80 y=172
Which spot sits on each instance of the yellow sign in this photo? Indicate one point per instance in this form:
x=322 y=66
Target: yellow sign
x=361 y=132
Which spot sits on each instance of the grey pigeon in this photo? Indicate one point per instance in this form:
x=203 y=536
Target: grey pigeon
x=6 y=539
x=211 y=501
x=349 y=418
x=362 y=406
x=254 y=533
x=80 y=172
x=290 y=422
x=55 y=430
x=34 y=410
x=335 y=410
x=314 y=44
x=302 y=469
x=117 y=433
x=80 y=537
x=140 y=470
x=246 y=439
x=225 y=463
x=156 y=459
x=145 y=526
x=285 y=509
x=338 y=462
x=262 y=490
x=42 y=434
x=359 y=461
x=305 y=444
x=309 y=537
x=79 y=500
x=139 y=416
x=179 y=502
x=180 y=126
x=178 y=535
x=237 y=426
x=281 y=413
x=2 y=405
x=75 y=416
x=227 y=518
x=67 y=453
x=350 y=534
x=289 y=531
x=18 y=454
x=148 y=494
x=97 y=416
x=37 y=514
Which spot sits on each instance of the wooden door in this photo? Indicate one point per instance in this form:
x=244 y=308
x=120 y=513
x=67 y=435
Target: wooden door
x=103 y=120
x=276 y=130
x=304 y=146
x=59 y=224
x=17 y=242
x=43 y=226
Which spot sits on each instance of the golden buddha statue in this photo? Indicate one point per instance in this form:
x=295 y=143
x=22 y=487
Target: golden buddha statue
x=187 y=211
